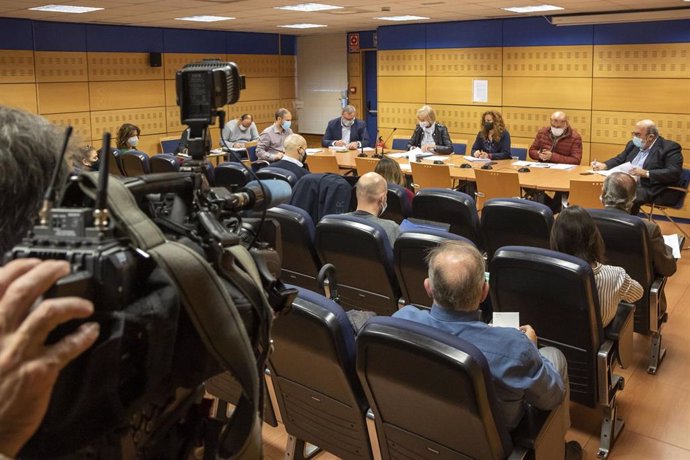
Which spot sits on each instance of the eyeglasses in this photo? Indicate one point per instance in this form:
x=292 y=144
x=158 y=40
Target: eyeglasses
x=636 y=134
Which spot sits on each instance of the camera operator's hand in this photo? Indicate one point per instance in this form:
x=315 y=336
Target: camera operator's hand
x=28 y=367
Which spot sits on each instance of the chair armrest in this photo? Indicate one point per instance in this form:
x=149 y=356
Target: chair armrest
x=540 y=433
x=604 y=358
x=327 y=281
x=655 y=292
x=623 y=315
x=526 y=433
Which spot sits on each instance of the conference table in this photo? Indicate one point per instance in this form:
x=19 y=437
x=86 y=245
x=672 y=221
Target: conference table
x=542 y=177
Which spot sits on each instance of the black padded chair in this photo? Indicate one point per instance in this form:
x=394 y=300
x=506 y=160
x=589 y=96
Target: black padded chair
x=270 y=172
x=399 y=203
x=134 y=163
x=451 y=207
x=674 y=198
x=399 y=143
x=409 y=252
x=313 y=373
x=512 y=221
x=557 y=295
x=114 y=165
x=231 y=175
x=163 y=162
x=627 y=245
x=432 y=397
x=300 y=262
x=363 y=258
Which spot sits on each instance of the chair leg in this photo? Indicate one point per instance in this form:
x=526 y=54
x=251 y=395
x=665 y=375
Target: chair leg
x=611 y=427
x=297 y=449
x=685 y=234
x=657 y=353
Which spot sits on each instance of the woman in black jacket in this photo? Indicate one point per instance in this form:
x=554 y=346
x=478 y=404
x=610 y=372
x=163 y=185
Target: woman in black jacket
x=429 y=135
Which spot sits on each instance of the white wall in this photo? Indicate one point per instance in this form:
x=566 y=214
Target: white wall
x=321 y=76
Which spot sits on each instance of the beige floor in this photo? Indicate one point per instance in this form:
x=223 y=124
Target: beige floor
x=656 y=408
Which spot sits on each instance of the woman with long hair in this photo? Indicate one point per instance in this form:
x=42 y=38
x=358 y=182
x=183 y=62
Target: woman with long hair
x=493 y=139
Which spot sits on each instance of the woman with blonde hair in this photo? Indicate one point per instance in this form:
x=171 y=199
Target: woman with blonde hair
x=390 y=170
x=429 y=135
x=493 y=140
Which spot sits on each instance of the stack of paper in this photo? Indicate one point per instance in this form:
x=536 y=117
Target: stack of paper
x=673 y=241
x=338 y=148
x=471 y=158
x=313 y=151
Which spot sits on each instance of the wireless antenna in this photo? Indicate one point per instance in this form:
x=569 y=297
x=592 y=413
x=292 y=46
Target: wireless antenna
x=49 y=197
x=100 y=214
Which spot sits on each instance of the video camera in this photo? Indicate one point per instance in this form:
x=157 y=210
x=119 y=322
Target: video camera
x=136 y=389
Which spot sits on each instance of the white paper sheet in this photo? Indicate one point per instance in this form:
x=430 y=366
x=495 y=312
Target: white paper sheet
x=406 y=167
x=506 y=319
x=471 y=158
x=313 y=151
x=480 y=90
x=625 y=167
x=338 y=148
x=443 y=158
x=673 y=241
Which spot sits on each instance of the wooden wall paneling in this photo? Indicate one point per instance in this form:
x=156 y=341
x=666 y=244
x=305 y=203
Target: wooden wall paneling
x=656 y=95
x=401 y=62
x=151 y=121
x=667 y=60
x=462 y=119
x=603 y=152
x=459 y=90
x=401 y=89
x=525 y=122
x=257 y=65
x=261 y=89
x=16 y=66
x=354 y=64
x=19 y=95
x=356 y=82
x=357 y=104
x=80 y=121
x=397 y=115
x=287 y=87
x=288 y=66
x=616 y=127
x=172 y=62
x=113 y=95
x=262 y=111
x=170 y=93
x=291 y=105
x=565 y=93
x=172 y=120
x=63 y=97
x=61 y=66
x=549 y=61
x=122 y=67
x=464 y=62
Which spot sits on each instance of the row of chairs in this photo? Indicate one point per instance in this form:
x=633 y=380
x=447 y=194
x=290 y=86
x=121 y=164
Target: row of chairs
x=461 y=147
x=325 y=380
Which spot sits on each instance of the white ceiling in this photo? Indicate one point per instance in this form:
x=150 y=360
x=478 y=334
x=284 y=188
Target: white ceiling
x=260 y=16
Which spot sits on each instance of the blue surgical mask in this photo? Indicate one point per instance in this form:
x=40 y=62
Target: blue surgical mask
x=286 y=124
x=637 y=142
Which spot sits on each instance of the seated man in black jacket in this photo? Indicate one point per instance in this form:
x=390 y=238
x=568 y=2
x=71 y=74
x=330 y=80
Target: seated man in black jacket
x=657 y=163
x=429 y=135
x=295 y=156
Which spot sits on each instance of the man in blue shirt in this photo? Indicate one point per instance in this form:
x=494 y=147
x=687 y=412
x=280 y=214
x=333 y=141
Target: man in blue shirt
x=521 y=372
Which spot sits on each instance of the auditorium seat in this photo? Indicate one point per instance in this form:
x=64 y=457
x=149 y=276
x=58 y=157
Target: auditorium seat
x=409 y=254
x=270 y=172
x=519 y=150
x=451 y=207
x=300 y=261
x=322 y=194
x=114 y=165
x=556 y=294
x=460 y=147
x=231 y=175
x=432 y=397
x=363 y=258
x=313 y=373
x=628 y=246
x=134 y=163
x=400 y=143
x=163 y=162
x=666 y=200
x=507 y=221
x=399 y=203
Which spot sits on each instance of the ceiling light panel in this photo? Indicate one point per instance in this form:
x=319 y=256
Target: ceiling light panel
x=308 y=7
x=66 y=9
x=532 y=9
x=204 y=18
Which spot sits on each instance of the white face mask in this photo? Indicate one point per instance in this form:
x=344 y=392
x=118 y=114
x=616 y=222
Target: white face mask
x=133 y=141
x=243 y=128
x=557 y=131
x=424 y=124
x=347 y=123
x=383 y=208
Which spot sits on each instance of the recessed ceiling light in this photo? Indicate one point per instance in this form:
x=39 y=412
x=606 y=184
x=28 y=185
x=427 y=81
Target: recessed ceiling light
x=402 y=18
x=65 y=9
x=204 y=18
x=532 y=9
x=308 y=7
x=303 y=26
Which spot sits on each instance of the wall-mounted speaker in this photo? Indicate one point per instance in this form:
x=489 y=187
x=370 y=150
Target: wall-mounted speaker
x=155 y=59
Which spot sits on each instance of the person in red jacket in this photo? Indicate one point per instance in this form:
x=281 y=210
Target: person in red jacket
x=558 y=143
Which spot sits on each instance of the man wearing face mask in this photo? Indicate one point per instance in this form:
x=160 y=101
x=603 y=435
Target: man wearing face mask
x=85 y=159
x=270 y=146
x=558 y=143
x=346 y=131
x=657 y=163
x=239 y=131
x=429 y=135
x=128 y=137
x=295 y=156
x=372 y=192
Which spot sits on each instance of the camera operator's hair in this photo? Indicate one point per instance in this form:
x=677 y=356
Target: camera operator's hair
x=280 y=113
x=29 y=149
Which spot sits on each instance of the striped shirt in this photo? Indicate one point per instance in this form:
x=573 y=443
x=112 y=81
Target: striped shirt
x=614 y=285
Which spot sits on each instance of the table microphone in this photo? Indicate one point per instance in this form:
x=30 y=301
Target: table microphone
x=387 y=139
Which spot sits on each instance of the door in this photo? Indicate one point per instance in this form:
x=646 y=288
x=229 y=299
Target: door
x=370 y=94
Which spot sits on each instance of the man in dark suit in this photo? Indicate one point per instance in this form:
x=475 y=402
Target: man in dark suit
x=295 y=156
x=619 y=193
x=655 y=161
x=346 y=131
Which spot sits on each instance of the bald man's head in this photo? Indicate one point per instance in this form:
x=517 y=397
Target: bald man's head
x=456 y=276
x=370 y=187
